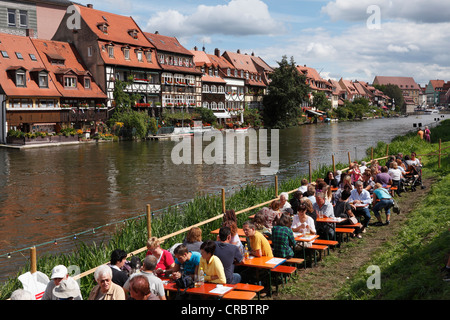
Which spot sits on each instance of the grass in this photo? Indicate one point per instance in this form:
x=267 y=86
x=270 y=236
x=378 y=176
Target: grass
x=133 y=234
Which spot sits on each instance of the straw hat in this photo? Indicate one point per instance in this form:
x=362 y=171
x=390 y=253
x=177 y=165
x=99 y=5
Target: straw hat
x=67 y=288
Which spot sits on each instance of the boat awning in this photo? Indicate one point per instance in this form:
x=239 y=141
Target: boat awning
x=222 y=115
x=314 y=112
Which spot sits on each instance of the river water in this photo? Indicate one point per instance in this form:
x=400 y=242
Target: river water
x=56 y=192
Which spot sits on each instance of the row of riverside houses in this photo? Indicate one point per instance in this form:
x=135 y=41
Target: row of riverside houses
x=68 y=79
x=54 y=76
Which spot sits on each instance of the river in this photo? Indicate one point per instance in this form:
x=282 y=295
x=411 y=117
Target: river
x=56 y=192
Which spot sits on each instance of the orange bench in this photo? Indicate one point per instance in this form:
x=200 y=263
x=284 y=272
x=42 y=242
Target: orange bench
x=249 y=287
x=284 y=271
x=345 y=231
x=326 y=243
x=315 y=248
x=239 y=295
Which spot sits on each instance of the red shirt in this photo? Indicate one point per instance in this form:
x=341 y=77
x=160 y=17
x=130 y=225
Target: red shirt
x=165 y=261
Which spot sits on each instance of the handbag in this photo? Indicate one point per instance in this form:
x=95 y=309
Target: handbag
x=353 y=220
x=395 y=208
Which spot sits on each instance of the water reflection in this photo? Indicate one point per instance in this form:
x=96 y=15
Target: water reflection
x=48 y=193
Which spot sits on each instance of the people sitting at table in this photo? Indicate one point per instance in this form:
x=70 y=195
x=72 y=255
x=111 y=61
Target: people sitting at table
x=235 y=240
x=272 y=214
x=354 y=172
x=324 y=209
x=396 y=176
x=283 y=241
x=330 y=179
x=117 y=262
x=193 y=239
x=360 y=200
x=309 y=209
x=284 y=203
x=140 y=289
x=385 y=202
x=296 y=200
x=260 y=222
x=259 y=246
x=156 y=286
x=229 y=254
x=303 y=185
x=302 y=222
x=367 y=181
x=310 y=193
x=105 y=289
x=186 y=262
x=383 y=177
x=343 y=209
x=164 y=257
x=211 y=264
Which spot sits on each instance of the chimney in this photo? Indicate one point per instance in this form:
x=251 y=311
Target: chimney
x=195 y=48
x=253 y=54
x=90 y=6
x=238 y=51
x=156 y=32
x=29 y=33
x=217 y=52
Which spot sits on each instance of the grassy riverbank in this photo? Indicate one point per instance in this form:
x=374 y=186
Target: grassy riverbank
x=132 y=235
x=410 y=252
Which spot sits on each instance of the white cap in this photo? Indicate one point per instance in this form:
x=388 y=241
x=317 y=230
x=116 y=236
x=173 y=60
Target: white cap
x=59 y=271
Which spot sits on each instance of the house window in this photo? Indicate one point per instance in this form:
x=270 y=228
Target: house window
x=11 y=17
x=205 y=88
x=221 y=89
x=23 y=18
x=228 y=72
x=70 y=82
x=235 y=73
x=139 y=56
x=43 y=80
x=19 y=55
x=89 y=51
x=20 y=79
x=33 y=57
x=111 y=52
x=87 y=83
x=221 y=106
x=148 y=56
x=126 y=53
x=213 y=89
x=5 y=54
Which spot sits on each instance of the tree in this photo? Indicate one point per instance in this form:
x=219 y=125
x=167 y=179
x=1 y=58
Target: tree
x=287 y=91
x=206 y=115
x=320 y=101
x=393 y=92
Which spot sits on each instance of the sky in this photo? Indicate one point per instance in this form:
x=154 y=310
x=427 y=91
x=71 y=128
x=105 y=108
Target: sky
x=352 y=39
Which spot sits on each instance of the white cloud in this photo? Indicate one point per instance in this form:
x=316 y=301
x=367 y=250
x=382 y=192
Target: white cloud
x=237 y=17
x=430 y=11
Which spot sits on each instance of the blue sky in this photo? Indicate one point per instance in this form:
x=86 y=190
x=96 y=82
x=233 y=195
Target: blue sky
x=353 y=39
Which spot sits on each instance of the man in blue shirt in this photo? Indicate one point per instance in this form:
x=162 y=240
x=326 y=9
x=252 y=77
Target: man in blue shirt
x=229 y=254
x=360 y=200
x=186 y=262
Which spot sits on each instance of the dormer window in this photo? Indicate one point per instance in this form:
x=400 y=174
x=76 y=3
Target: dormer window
x=21 y=78
x=148 y=56
x=111 y=52
x=133 y=33
x=103 y=27
x=126 y=53
x=228 y=72
x=70 y=82
x=139 y=55
x=43 y=79
x=87 y=83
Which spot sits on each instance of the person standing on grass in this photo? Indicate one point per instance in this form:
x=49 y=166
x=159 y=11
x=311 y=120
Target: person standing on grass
x=427 y=134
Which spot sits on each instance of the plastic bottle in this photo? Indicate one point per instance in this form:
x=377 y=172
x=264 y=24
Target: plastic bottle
x=201 y=277
x=246 y=253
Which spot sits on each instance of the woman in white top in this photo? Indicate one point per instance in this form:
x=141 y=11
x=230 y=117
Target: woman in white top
x=302 y=221
x=396 y=176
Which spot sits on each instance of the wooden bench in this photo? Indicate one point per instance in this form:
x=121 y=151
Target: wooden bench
x=284 y=271
x=239 y=295
x=345 y=231
x=250 y=287
x=315 y=248
x=326 y=243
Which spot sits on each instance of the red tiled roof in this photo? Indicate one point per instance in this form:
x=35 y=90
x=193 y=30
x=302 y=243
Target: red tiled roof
x=118 y=27
x=437 y=83
x=241 y=61
x=23 y=45
x=166 y=43
x=72 y=64
x=208 y=78
x=404 y=83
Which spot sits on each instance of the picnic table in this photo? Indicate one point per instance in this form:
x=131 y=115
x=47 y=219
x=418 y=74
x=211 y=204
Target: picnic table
x=206 y=290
